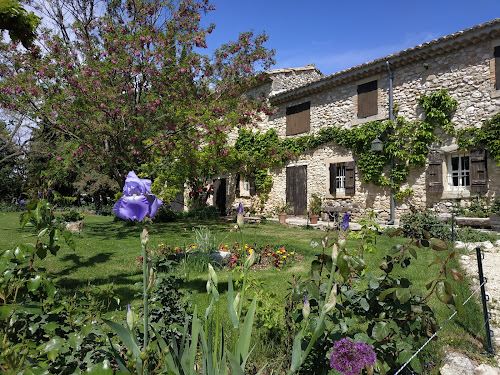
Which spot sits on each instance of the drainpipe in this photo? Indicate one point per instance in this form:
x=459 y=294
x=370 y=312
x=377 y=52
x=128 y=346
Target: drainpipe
x=391 y=118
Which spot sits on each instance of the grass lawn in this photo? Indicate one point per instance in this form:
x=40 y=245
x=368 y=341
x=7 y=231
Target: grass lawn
x=106 y=256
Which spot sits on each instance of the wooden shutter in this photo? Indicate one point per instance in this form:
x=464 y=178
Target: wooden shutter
x=478 y=171
x=350 y=178
x=237 y=186
x=298 y=119
x=333 y=178
x=497 y=67
x=367 y=99
x=435 y=173
x=253 y=187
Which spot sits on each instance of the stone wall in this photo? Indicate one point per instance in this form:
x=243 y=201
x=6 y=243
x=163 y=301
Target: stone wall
x=466 y=74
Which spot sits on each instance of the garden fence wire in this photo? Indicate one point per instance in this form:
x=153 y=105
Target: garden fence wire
x=487 y=316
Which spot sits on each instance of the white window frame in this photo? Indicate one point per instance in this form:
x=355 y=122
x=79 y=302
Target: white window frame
x=339 y=193
x=244 y=186
x=340 y=179
x=461 y=173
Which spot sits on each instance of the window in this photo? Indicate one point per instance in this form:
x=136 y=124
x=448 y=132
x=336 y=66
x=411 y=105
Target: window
x=464 y=171
x=367 y=99
x=342 y=178
x=496 y=54
x=298 y=118
x=244 y=186
x=458 y=172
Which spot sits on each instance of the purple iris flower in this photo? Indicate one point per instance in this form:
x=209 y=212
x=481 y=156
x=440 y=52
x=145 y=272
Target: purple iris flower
x=240 y=209
x=137 y=200
x=345 y=222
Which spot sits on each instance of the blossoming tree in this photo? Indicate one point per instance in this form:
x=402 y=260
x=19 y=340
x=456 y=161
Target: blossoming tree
x=130 y=86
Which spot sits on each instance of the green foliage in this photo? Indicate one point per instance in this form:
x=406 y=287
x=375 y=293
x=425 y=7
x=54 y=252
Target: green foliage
x=282 y=208
x=203 y=213
x=166 y=215
x=477 y=208
x=20 y=24
x=416 y=222
x=488 y=135
x=39 y=215
x=345 y=299
x=495 y=208
x=468 y=234
x=42 y=328
x=73 y=215
x=315 y=204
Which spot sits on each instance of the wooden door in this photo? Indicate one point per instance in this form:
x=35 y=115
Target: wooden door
x=296 y=189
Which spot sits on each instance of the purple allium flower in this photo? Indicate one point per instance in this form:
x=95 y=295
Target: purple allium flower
x=349 y=358
x=240 y=208
x=137 y=200
x=345 y=222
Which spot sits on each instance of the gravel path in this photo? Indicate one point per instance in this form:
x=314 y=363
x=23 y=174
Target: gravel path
x=491 y=271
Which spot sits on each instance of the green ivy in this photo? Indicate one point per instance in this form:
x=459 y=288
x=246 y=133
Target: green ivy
x=488 y=135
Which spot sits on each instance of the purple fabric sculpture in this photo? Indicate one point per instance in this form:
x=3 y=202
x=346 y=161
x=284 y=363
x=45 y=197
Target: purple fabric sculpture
x=240 y=209
x=137 y=200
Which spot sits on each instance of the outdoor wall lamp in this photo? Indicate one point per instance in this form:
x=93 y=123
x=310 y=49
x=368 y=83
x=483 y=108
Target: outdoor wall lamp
x=377 y=145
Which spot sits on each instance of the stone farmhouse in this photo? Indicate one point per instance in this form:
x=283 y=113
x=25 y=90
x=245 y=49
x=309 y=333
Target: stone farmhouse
x=466 y=64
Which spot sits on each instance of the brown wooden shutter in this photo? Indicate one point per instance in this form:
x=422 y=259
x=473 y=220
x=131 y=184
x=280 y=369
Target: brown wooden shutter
x=298 y=119
x=497 y=67
x=237 y=186
x=435 y=173
x=253 y=187
x=367 y=99
x=478 y=171
x=333 y=178
x=350 y=178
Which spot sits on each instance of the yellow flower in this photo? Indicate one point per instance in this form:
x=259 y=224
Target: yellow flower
x=283 y=256
x=250 y=251
x=292 y=253
x=281 y=261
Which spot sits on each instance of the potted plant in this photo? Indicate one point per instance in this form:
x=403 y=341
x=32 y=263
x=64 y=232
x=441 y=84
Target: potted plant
x=495 y=215
x=315 y=208
x=281 y=210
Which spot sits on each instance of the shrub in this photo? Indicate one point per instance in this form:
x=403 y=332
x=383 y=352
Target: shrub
x=416 y=222
x=73 y=215
x=166 y=215
x=468 y=234
x=495 y=209
x=203 y=213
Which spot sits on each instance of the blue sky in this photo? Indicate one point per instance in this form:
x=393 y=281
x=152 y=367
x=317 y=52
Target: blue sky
x=339 y=34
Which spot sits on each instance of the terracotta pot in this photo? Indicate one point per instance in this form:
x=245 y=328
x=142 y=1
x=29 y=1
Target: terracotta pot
x=313 y=219
x=282 y=218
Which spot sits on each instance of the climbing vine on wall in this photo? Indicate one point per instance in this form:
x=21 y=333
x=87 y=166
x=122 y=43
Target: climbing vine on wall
x=407 y=141
x=488 y=135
